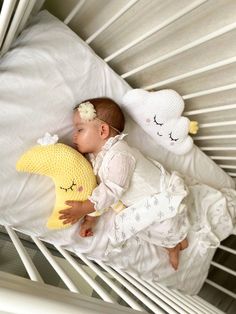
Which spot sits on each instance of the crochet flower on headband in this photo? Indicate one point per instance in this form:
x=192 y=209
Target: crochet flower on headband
x=87 y=111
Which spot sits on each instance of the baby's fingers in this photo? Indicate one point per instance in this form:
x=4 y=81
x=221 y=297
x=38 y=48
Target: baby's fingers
x=64 y=216
x=67 y=221
x=65 y=211
x=70 y=221
x=71 y=203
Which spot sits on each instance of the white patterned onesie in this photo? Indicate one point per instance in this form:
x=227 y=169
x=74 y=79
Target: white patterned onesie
x=125 y=174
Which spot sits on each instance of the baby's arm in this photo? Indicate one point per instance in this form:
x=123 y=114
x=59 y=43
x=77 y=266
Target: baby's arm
x=115 y=176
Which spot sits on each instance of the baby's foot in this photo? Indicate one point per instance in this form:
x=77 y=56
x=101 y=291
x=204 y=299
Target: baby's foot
x=86 y=228
x=183 y=244
x=174 y=253
x=174 y=256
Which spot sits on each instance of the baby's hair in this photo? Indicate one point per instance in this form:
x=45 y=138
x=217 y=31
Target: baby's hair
x=108 y=111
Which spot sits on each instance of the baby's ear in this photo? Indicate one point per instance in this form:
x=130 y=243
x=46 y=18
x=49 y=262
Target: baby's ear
x=104 y=131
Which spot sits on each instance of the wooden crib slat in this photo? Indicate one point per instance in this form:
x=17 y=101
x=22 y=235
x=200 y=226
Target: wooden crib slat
x=228 y=166
x=232 y=174
x=111 y=21
x=208 y=110
x=229 y=271
x=21 y=8
x=189 y=74
x=223 y=158
x=212 y=308
x=74 y=11
x=227 y=249
x=101 y=292
x=166 y=297
x=26 y=16
x=26 y=260
x=219 y=147
x=180 y=50
x=180 y=297
x=69 y=283
x=110 y=283
x=169 y=21
x=215 y=137
x=216 y=124
x=230 y=293
x=5 y=16
x=136 y=292
x=210 y=91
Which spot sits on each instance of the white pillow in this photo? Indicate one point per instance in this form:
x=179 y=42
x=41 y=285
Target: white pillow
x=46 y=73
x=159 y=114
x=195 y=163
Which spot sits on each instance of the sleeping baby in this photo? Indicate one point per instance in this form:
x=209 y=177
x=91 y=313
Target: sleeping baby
x=124 y=175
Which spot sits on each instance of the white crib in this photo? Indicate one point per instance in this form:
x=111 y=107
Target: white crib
x=151 y=44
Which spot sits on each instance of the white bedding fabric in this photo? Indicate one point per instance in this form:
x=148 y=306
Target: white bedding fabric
x=45 y=74
x=210 y=218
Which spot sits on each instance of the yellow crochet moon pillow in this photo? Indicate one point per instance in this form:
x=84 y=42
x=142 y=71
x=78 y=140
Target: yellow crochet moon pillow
x=70 y=171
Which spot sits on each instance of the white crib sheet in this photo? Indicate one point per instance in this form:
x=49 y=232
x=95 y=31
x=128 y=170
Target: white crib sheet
x=45 y=74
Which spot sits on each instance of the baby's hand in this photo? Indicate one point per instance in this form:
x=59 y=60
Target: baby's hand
x=76 y=211
x=73 y=214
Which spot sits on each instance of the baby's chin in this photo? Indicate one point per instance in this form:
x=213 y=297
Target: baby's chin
x=82 y=150
x=78 y=148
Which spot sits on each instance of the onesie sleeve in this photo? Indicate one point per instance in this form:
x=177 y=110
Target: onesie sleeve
x=115 y=180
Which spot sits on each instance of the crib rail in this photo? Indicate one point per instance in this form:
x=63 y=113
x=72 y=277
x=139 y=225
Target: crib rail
x=138 y=295
x=19 y=295
x=13 y=18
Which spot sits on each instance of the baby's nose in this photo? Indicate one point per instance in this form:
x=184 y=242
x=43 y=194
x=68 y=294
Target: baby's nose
x=74 y=136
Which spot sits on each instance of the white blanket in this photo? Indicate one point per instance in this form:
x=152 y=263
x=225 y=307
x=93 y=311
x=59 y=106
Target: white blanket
x=210 y=218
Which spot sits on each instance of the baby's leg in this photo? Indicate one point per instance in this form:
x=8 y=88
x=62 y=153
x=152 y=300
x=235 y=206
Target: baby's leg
x=86 y=228
x=174 y=253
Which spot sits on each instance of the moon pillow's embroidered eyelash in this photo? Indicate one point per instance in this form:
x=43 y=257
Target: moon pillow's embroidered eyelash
x=157 y=122
x=70 y=188
x=172 y=139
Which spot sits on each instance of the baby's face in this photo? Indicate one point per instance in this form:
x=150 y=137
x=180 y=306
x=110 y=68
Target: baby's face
x=86 y=135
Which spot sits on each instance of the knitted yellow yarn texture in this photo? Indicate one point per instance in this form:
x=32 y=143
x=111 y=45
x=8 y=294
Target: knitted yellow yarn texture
x=70 y=171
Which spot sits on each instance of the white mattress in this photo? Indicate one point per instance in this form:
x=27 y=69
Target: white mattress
x=45 y=74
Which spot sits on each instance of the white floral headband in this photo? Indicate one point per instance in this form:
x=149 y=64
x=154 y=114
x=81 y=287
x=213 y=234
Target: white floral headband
x=88 y=113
